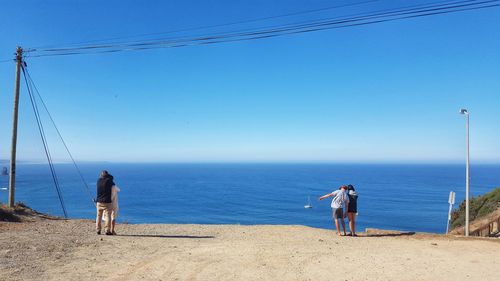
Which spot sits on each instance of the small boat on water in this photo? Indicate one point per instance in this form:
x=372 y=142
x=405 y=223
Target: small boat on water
x=5 y=171
x=308 y=205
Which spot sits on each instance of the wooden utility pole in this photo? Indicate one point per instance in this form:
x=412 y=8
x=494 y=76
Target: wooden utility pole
x=12 y=175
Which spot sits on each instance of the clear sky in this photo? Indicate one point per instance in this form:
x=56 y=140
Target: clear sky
x=387 y=92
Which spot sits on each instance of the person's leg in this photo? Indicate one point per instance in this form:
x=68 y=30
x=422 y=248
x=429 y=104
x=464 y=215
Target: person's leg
x=337 y=225
x=113 y=221
x=98 y=218
x=337 y=214
x=342 y=220
x=335 y=219
x=108 y=219
x=351 y=225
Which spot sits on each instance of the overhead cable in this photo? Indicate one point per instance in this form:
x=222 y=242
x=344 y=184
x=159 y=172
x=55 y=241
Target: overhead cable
x=311 y=26
x=218 y=25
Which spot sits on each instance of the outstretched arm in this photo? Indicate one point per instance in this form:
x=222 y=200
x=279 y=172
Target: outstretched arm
x=325 y=196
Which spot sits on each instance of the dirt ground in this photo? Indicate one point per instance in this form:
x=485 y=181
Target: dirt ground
x=71 y=250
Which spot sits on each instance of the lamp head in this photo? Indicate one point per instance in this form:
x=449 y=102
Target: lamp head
x=464 y=111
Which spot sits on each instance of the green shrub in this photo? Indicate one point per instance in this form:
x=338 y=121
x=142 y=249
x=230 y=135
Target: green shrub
x=479 y=207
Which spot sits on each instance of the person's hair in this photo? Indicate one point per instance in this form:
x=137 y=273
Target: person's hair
x=104 y=174
x=343 y=187
x=350 y=187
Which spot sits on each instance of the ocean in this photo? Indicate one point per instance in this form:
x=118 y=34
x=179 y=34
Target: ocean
x=403 y=197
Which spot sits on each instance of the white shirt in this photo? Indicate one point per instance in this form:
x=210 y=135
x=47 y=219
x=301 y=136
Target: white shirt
x=114 y=196
x=340 y=198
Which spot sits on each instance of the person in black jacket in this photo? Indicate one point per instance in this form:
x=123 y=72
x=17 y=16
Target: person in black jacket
x=103 y=201
x=352 y=211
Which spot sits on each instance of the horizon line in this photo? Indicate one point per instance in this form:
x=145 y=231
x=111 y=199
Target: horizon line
x=263 y=162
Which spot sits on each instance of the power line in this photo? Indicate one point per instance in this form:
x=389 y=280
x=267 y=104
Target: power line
x=435 y=4
x=220 y=25
x=59 y=134
x=327 y=24
x=356 y=20
x=234 y=33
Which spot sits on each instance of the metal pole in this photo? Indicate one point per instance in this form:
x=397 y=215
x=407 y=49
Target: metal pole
x=467 y=177
x=12 y=175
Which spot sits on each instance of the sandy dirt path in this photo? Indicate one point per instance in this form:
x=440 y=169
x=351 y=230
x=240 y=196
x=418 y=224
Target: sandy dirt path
x=70 y=250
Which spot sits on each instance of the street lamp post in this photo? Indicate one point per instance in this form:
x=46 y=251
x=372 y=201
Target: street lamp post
x=466 y=113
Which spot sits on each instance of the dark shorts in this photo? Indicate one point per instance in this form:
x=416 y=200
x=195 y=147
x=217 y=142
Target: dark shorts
x=338 y=213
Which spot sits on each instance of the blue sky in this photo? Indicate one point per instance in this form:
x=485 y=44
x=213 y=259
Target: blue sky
x=387 y=92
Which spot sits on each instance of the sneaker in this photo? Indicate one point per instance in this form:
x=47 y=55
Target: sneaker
x=109 y=233
x=113 y=232
x=98 y=232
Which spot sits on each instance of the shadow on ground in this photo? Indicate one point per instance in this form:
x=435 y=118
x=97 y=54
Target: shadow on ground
x=166 y=236
x=390 y=234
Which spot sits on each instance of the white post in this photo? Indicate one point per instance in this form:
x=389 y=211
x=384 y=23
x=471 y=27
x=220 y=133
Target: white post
x=451 y=200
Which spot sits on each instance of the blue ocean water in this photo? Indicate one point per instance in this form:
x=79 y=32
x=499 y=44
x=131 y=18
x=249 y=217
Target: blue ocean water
x=404 y=197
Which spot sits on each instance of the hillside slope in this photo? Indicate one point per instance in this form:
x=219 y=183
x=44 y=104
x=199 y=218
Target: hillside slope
x=480 y=206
